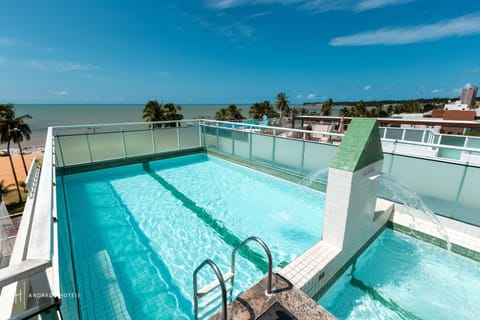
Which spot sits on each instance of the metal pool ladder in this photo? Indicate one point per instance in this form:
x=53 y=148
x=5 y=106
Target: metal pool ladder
x=208 y=305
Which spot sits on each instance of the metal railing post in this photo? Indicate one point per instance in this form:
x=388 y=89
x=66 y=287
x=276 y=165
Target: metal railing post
x=61 y=152
x=250 y=136
x=178 y=135
x=233 y=142
x=124 y=145
x=153 y=140
x=88 y=147
x=218 y=140
x=273 y=148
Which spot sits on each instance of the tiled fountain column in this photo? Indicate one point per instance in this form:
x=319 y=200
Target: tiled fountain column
x=352 y=188
x=353 y=216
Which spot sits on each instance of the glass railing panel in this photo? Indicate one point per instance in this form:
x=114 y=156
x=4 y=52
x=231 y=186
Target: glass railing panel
x=210 y=141
x=449 y=153
x=394 y=133
x=468 y=209
x=435 y=182
x=138 y=142
x=225 y=144
x=288 y=153
x=381 y=131
x=58 y=155
x=72 y=149
x=106 y=146
x=165 y=139
x=318 y=156
x=413 y=135
x=456 y=141
x=473 y=142
x=189 y=137
x=241 y=144
x=262 y=147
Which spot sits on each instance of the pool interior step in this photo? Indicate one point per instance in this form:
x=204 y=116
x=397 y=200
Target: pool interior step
x=212 y=301
x=214 y=284
x=100 y=295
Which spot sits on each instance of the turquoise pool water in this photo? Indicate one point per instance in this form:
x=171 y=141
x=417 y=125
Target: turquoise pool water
x=399 y=277
x=137 y=232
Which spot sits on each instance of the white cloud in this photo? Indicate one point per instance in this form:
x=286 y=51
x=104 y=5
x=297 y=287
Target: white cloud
x=314 y=6
x=2 y=60
x=311 y=96
x=226 y=4
x=461 y=26
x=437 y=90
x=7 y=42
x=375 y=4
x=473 y=70
x=299 y=96
x=59 y=93
x=259 y=14
x=467 y=86
x=367 y=87
x=59 y=66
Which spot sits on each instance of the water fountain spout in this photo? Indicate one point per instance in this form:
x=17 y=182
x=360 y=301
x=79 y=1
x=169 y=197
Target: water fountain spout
x=374 y=176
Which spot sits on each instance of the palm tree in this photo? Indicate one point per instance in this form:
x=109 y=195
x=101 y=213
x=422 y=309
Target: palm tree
x=221 y=114
x=235 y=112
x=327 y=108
x=360 y=110
x=258 y=109
x=345 y=112
x=168 y=112
x=13 y=129
x=282 y=105
x=152 y=113
x=232 y=112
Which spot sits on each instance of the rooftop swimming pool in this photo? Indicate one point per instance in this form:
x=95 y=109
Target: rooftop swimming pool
x=130 y=237
x=399 y=277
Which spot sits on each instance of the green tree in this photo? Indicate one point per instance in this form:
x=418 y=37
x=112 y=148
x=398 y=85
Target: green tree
x=360 y=110
x=154 y=112
x=169 y=112
x=282 y=105
x=232 y=112
x=327 y=107
x=13 y=129
x=258 y=109
x=345 y=112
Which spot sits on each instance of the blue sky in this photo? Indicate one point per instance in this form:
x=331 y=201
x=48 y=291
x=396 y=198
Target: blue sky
x=236 y=51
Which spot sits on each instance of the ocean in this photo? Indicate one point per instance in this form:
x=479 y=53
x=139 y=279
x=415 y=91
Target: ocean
x=46 y=115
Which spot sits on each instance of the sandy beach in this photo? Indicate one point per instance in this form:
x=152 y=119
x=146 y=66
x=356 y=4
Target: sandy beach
x=6 y=170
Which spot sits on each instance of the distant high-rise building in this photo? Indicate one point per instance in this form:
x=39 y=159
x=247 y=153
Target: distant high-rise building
x=469 y=95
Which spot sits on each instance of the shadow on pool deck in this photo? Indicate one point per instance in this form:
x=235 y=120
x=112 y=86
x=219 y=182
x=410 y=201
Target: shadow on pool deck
x=286 y=303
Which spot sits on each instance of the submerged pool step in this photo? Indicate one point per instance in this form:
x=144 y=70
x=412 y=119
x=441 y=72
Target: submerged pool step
x=211 y=303
x=214 y=284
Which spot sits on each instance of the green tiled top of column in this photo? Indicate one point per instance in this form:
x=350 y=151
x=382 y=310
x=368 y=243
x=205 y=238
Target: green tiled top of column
x=361 y=146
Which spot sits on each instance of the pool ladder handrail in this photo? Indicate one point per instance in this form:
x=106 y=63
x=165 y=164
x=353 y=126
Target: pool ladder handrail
x=221 y=279
x=207 y=289
x=269 y=256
